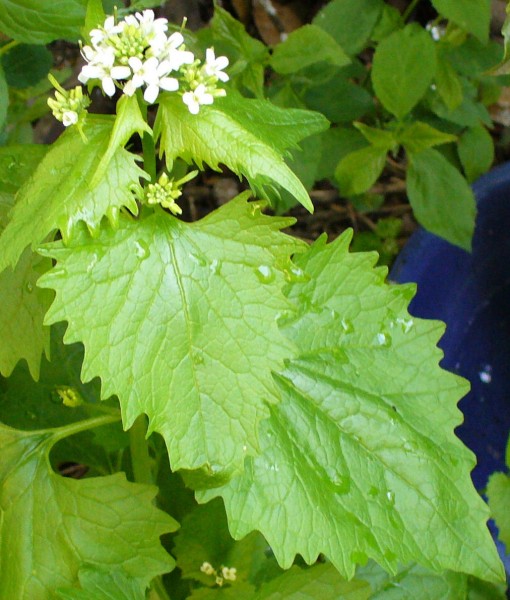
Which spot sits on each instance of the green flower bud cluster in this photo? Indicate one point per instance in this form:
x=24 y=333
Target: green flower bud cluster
x=166 y=191
x=68 y=106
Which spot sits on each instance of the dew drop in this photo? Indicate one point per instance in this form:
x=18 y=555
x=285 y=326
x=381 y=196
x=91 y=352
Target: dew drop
x=198 y=260
x=265 y=274
x=391 y=497
x=347 y=325
x=142 y=249
x=342 y=485
x=383 y=339
x=29 y=287
x=406 y=324
x=215 y=267
x=92 y=263
x=295 y=274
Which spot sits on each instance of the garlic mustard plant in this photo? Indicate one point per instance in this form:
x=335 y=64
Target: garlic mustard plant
x=247 y=394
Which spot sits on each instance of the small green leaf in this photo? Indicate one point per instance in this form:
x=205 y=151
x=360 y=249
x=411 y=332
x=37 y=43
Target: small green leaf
x=350 y=23
x=25 y=65
x=469 y=113
x=419 y=136
x=4 y=98
x=306 y=46
x=390 y=21
x=94 y=16
x=337 y=98
x=59 y=194
x=129 y=120
x=476 y=152
x=98 y=585
x=52 y=526
x=248 y=56
x=498 y=493
x=471 y=15
x=36 y=22
x=358 y=171
x=441 y=198
x=403 y=67
x=448 y=84
x=379 y=138
x=359 y=459
x=174 y=316
x=337 y=142
x=248 y=136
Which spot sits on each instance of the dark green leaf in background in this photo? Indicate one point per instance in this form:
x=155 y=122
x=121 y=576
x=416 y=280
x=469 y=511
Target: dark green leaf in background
x=471 y=15
x=350 y=23
x=305 y=46
x=337 y=142
x=441 y=198
x=25 y=65
x=358 y=171
x=403 y=68
x=42 y=21
x=4 y=98
x=476 y=152
x=448 y=84
x=419 y=136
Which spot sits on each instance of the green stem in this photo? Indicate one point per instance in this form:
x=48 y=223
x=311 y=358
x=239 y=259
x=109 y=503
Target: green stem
x=140 y=459
x=149 y=155
x=159 y=589
x=408 y=11
x=4 y=49
x=73 y=428
x=149 y=150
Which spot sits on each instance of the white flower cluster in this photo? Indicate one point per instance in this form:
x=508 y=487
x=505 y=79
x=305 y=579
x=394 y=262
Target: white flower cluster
x=137 y=53
x=68 y=106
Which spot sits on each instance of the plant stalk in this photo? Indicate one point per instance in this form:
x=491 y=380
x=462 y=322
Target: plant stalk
x=140 y=458
x=72 y=429
x=4 y=49
x=409 y=10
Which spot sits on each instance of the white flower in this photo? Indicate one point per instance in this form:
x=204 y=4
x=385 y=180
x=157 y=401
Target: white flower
x=151 y=26
x=168 y=49
x=69 y=117
x=102 y=67
x=214 y=65
x=194 y=99
x=102 y=33
x=154 y=74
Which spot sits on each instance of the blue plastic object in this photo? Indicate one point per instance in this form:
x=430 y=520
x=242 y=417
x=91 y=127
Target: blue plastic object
x=471 y=294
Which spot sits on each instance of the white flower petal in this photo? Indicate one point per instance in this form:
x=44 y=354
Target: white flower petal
x=176 y=39
x=108 y=86
x=120 y=72
x=70 y=117
x=135 y=63
x=170 y=84
x=151 y=93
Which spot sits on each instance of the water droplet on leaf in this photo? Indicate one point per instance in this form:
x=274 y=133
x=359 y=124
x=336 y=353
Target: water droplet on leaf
x=391 y=497
x=265 y=274
x=142 y=249
x=215 y=267
x=92 y=263
x=198 y=260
